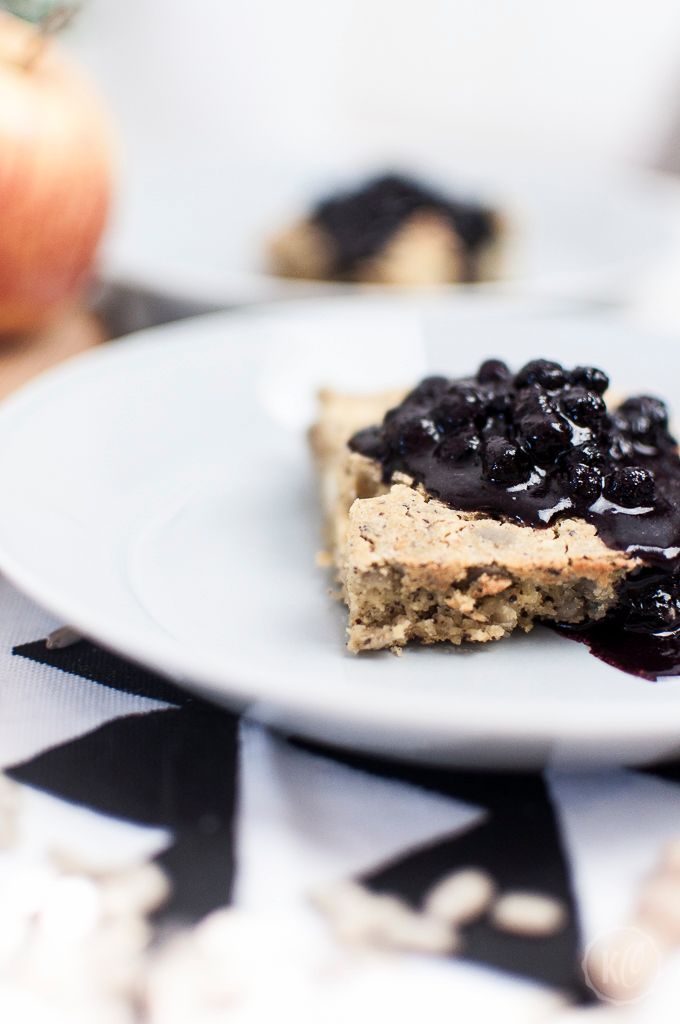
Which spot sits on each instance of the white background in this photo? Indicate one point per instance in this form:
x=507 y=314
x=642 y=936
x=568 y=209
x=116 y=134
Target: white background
x=596 y=76
x=217 y=102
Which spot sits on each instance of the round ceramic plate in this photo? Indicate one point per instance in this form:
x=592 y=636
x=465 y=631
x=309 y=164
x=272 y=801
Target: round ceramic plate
x=158 y=495
x=573 y=230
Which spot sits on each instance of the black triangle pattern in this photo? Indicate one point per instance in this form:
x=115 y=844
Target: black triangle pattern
x=518 y=843
x=180 y=771
x=668 y=770
x=88 y=661
x=176 y=768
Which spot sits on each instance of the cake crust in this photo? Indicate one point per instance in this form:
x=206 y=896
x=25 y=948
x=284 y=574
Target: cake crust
x=344 y=475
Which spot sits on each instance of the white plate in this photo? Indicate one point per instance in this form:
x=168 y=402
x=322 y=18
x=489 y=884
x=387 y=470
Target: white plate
x=576 y=230
x=158 y=495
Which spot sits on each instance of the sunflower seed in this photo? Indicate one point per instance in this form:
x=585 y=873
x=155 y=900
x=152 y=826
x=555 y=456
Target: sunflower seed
x=461 y=897
x=62 y=637
x=529 y=913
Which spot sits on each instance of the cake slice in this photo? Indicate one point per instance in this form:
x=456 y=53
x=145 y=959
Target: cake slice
x=412 y=568
x=469 y=508
x=394 y=231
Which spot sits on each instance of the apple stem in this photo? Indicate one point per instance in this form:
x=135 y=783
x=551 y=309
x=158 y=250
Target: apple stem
x=48 y=25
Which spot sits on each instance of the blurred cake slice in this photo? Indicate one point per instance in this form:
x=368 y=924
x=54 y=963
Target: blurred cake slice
x=391 y=231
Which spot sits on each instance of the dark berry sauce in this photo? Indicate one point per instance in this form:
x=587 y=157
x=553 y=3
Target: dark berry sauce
x=362 y=222
x=640 y=654
x=539 y=446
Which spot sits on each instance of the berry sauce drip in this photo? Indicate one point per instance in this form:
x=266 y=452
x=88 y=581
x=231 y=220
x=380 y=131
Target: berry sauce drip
x=362 y=222
x=539 y=446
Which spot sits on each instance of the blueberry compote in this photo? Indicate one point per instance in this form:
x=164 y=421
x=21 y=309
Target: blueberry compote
x=541 y=445
x=362 y=222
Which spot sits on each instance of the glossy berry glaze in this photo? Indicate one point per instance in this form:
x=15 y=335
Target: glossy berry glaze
x=539 y=446
x=361 y=223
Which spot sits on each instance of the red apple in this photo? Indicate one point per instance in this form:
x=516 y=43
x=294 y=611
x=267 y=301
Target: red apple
x=55 y=177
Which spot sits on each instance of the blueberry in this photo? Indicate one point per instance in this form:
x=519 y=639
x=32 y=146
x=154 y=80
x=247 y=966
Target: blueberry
x=493 y=371
x=429 y=389
x=630 y=487
x=620 y=446
x=369 y=442
x=584 y=482
x=467 y=390
x=504 y=462
x=589 y=454
x=644 y=416
x=461 y=405
x=545 y=436
x=532 y=401
x=591 y=378
x=618 y=422
x=395 y=419
x=495 y=423
x=583 y=407
x=496 y=401
x=417 y=435
x=458 y=447
x=656 y=607
x=550 y=376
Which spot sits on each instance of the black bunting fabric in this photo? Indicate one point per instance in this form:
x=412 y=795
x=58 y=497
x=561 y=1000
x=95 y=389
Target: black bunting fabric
x=518 y=843
x=178 y=770
x=90 y=662
x=238 y=816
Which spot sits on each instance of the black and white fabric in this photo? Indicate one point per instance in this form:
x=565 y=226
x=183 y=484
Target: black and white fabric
x=110 y=754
